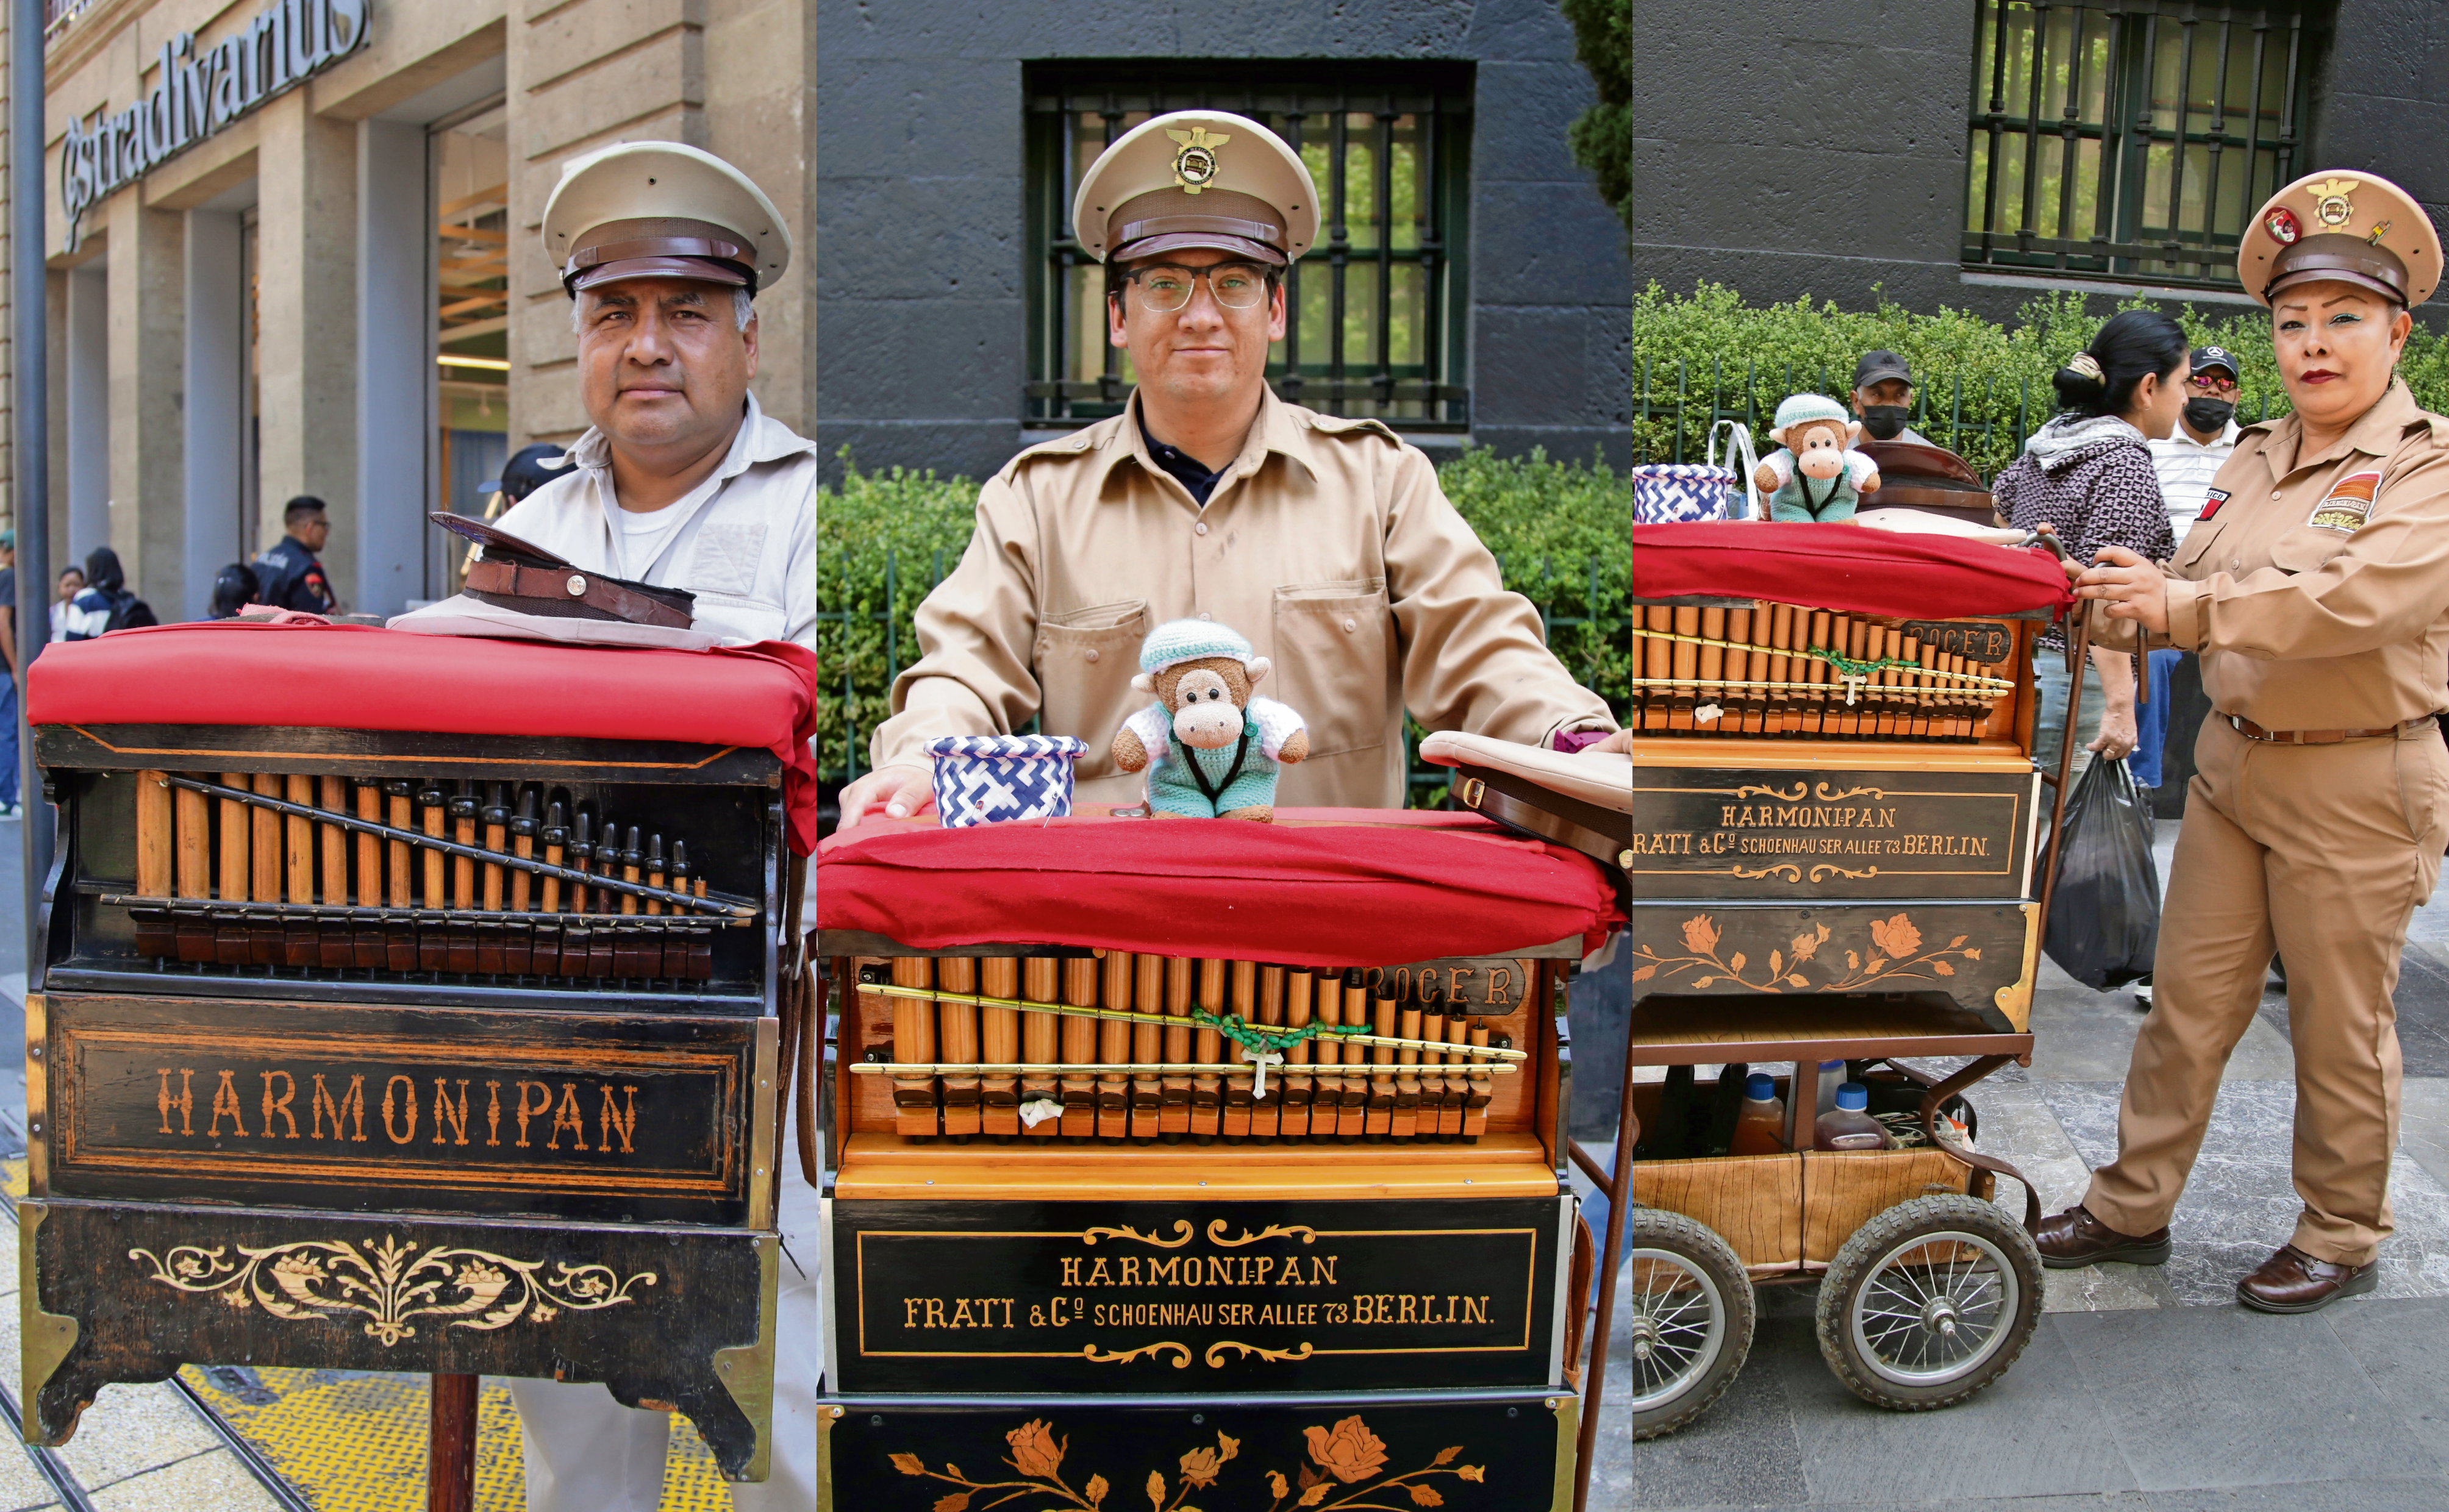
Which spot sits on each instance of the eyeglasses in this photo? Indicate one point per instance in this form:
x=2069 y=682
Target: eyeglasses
x=1166 y=287
x=2213 y=384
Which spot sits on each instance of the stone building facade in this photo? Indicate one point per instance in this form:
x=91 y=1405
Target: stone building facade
x=956 y=319
x=1843 y=152
x=305 y=256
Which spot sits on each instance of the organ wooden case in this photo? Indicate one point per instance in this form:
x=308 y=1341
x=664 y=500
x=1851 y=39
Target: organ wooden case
x=447 y=1049
x=1192 y=1221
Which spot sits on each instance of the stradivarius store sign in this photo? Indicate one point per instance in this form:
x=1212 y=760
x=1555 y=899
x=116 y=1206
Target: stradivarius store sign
x=287 y=43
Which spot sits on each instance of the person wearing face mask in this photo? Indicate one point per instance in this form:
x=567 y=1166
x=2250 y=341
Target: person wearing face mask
x=2315 y=587
x=1881 y=397
x=2086 y=475
x=2187 y=457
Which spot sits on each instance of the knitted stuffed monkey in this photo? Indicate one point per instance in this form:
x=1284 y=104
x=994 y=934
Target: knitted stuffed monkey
x=1210 y=746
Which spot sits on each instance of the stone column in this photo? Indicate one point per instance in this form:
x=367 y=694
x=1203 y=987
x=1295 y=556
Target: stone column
x=761 y=80
x=81 y=423
x=306 y=179
x=215 y=385
x=149 y=301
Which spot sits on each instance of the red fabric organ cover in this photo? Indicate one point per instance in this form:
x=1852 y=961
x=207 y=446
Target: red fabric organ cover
x=363 y=677
x=1859 y=570
x=1318 y=888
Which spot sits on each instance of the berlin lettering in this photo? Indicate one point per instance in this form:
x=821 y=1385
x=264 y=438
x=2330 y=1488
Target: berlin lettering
x=287 y=43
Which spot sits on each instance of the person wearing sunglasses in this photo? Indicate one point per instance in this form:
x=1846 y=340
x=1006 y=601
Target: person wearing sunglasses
x=1325 y=540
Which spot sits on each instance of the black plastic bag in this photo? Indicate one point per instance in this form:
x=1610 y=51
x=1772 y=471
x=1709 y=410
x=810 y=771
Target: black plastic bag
x=2105 y=918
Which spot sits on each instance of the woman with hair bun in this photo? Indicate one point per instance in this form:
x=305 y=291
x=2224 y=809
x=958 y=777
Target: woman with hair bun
x=2315 y=585
x=2087 y=475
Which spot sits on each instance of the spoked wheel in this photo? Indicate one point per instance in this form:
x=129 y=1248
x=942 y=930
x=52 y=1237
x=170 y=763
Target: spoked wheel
x=1684 y=1319
x=1929 y=1302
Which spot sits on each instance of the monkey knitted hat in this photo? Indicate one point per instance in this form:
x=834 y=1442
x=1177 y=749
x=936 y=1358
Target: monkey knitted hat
x=1797 y=408
x=1180 y=641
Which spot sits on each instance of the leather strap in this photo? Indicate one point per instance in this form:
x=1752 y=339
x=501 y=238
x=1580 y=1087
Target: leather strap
x=2254 y=732
x=511 y=579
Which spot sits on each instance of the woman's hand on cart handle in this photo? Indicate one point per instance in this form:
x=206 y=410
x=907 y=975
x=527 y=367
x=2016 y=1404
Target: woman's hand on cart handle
x=903 y=789
x=2129 y=586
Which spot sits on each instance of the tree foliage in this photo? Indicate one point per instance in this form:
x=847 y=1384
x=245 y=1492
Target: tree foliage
x=1601 y=137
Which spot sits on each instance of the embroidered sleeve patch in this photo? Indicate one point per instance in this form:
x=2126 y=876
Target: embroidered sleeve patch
x=2348 y=505
x=2211 y=503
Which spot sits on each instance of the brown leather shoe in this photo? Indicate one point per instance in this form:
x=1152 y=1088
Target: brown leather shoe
x=2292 y=1281
x=2075 y=1238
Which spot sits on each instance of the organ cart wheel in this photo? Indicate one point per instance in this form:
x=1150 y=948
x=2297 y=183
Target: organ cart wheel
x=1929 y=1302
x=1684 y=1319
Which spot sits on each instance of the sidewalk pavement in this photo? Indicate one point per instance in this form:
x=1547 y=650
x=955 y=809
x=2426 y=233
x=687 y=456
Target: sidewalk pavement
x=2145 y=1388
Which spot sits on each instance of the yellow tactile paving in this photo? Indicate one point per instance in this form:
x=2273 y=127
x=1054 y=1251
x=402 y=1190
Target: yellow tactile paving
x=356 y=1442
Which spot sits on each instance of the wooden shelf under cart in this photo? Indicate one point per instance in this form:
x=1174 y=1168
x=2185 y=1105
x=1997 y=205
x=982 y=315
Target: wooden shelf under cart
x=330 y=1069
x=1837 y=854
x=1171 y=1272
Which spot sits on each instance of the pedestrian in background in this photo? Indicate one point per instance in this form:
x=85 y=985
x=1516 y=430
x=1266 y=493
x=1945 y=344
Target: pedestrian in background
x=72 y=583
x=290 y=576
x=2088 y=474
x=234 y=587
x=106 y=604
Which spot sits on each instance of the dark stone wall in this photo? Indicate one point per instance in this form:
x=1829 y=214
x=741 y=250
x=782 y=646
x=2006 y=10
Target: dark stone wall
x=1792 y=148
x=921 y=249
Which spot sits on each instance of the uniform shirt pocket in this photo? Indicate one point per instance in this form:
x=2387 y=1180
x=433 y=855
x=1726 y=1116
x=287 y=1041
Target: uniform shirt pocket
x=1334 y=658
x=1085 y=660
x=2307 y=549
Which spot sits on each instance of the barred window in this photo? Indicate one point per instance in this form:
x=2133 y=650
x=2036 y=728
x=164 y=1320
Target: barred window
x=2131 y=139
x=1375 y=311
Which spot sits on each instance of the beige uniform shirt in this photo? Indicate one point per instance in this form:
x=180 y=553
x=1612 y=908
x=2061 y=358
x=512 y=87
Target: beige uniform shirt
x=2317 y=587
x=1327 y=542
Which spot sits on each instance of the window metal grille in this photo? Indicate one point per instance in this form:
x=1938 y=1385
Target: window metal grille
x=1375 y=311
x=2131 y=139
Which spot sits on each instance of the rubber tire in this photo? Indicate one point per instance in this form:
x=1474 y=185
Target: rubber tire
x=1656 y=1229
x=1851 y=1270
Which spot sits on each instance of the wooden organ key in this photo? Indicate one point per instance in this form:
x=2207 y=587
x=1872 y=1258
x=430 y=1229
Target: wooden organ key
x=1114 y=1048
x=1266 y=1113
x=1079 y=1040
x=1407 y=1085
x=1148 y=1046
x=1041 y=982
x=1379 y=1110
x=956 y=1040
x=999 y=1037
x=1206 y=1092
x=914 y=1044
x=1174 y=1122
x=1292 y=1121
x=1244 y=989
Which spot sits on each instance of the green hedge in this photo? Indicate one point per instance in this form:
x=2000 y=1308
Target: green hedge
x=1601 y=136
x=1985 y=384
x=1558 y=529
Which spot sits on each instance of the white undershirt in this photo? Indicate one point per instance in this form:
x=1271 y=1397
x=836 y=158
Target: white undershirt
x=643 y=534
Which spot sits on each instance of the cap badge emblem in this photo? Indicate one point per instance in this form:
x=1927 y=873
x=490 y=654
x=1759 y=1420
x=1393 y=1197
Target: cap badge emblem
x=2331 y=205
x=2281 y=224
x=1194 y=166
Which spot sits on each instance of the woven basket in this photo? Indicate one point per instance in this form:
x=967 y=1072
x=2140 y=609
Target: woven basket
x=996 y=778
